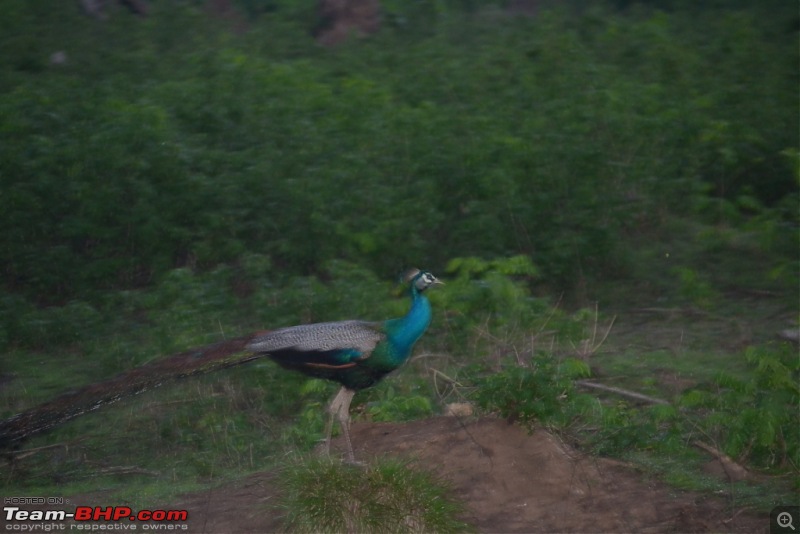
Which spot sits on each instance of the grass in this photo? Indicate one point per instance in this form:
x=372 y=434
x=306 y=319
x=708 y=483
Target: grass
x=687 y=472
x=197 y=428
x=664 y=372
x=387 y=496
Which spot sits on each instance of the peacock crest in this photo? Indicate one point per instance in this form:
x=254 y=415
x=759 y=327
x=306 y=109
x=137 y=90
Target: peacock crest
x=420 y=280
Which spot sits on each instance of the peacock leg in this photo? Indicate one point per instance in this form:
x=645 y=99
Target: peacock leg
x=344 y=420
x=329 y=428
x=340 y=409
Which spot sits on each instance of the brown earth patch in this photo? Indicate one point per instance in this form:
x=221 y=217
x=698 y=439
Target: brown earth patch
x=510 y=481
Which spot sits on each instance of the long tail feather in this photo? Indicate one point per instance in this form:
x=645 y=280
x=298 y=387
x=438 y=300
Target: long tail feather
x=197 y=361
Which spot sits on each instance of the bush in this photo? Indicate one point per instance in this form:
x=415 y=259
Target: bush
x=552 y=137
x=755 y=420
x=542 y=392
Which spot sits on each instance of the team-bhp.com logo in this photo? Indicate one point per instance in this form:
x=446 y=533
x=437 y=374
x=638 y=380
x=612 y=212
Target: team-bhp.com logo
x=90 y=517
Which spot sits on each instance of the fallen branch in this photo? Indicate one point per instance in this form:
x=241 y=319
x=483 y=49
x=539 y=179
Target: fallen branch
x=30 y=452
x=622 y=392
x=733 y=470
x=126 y=470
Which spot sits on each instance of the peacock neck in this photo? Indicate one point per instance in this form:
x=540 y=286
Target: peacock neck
x=405 y=331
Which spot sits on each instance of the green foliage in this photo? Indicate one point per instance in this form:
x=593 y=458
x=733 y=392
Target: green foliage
x=322 y=496
x=750 y=415
x=308 y=428
x=198 y=148
x=542 y=392
x=394 y=407
x=624 y=429
x=498 y=289
x=512 y=267
x=755 y=419
x=694 y=288
x=34 y=327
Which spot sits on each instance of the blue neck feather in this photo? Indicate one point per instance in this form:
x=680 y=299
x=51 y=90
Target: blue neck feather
x=405 y=331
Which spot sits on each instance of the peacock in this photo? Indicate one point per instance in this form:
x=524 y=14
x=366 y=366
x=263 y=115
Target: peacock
x=356 y=354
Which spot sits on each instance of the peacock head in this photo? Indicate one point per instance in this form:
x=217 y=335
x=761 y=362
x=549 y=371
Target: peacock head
x=421 y=280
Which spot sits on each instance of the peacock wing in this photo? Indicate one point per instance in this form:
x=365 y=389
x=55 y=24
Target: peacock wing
x=334 y=344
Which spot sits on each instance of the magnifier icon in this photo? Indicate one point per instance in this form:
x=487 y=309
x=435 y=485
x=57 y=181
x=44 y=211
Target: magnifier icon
x=784 y=520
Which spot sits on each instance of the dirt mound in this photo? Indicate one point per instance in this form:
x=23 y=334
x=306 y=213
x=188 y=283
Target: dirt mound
x=510 y=481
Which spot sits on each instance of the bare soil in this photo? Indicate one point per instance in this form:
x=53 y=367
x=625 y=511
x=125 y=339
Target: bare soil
x=511 y=481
